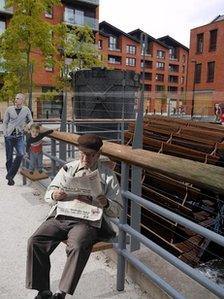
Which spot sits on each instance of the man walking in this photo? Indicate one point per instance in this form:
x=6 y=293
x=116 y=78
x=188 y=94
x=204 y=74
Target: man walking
x=65 y=223
x=15 y=119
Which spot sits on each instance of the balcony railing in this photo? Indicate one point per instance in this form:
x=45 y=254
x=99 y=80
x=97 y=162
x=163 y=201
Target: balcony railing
x=94 y=2
x=75 y=20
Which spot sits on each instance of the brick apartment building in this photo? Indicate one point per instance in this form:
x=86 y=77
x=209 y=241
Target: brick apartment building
x=72 y=13
x=206 y=67
x=165 y=60
x=165 y=64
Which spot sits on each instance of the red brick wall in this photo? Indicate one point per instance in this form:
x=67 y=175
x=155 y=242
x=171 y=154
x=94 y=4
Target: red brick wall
x=218 y=56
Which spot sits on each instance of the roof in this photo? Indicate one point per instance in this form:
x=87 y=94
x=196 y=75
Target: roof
x=139 y=31
x=168 y=40
x=104 y=24
x=218 y=18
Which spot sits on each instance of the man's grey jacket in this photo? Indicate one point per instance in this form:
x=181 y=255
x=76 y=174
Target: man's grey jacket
x=110 y=187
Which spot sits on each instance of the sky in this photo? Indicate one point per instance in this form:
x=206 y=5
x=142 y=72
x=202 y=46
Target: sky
x=161 y=17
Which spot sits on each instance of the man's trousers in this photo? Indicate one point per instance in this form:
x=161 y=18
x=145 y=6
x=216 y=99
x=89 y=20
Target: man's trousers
x=80 y=238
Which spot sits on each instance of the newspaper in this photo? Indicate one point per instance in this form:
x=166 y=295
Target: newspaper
x=88 y=185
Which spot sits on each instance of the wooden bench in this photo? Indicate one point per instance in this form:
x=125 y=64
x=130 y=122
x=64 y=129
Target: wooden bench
x=99 y=246
x=36 y=176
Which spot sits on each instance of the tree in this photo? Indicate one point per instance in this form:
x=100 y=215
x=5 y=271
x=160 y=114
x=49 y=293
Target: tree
x=26 y=33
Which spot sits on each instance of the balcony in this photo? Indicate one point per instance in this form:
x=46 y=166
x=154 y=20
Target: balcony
x=5 y=11
x=93 y=2
x=75 y=20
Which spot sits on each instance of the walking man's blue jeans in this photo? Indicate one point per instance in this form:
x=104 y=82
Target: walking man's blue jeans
x=12 y=142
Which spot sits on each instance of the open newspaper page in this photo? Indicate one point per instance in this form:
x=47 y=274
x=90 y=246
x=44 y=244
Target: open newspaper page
x=88 y=185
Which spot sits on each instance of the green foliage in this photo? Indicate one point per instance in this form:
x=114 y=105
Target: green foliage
x=27 y=32
x=79 y=51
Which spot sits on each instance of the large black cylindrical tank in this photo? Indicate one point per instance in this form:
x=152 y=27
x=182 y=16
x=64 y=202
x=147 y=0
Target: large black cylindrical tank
x=104 y=94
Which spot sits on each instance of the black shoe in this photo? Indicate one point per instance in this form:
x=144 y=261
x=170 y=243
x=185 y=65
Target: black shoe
x=31 y=172
x=58 y=296
x=11 y=182
x=44 y=295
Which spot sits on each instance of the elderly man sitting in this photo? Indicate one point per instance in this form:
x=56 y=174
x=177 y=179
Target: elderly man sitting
x=81 y=233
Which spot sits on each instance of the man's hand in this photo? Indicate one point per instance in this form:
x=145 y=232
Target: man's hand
x=58 y=195
x=101 y=201
x=84 y=198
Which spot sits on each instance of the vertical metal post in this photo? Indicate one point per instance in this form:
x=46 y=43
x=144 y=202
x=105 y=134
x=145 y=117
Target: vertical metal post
x=69 y=145
x=62 y=145
x=53 y=153
x=30 y=86
x=123 y=107
x=136 y=186
x=122 y=234
x=73 y=148
x=24 y=166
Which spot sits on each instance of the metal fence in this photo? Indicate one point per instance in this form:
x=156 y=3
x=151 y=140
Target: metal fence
x=145 y=159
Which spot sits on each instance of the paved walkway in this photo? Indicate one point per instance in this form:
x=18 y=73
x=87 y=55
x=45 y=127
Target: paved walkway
x=22 y=209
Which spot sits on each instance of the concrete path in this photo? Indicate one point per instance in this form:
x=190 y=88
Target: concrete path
x=22 y=210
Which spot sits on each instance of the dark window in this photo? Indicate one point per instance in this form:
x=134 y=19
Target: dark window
x=114 y=59
x=173 y=79
x=173 y=53
x=148 y=87
x=213 y=40
x=148 y=76
x=148 y=64
x=200 y=41
x=160 y=88
x=173 y=68
x=160 y=77
x=198 y=73
x=131 y=49
x=211 y=71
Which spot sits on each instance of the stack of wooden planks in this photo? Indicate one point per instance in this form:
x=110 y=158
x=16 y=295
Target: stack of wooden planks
x=201 y=142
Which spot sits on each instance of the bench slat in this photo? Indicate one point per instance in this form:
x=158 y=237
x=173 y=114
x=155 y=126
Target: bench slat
x=98 y=246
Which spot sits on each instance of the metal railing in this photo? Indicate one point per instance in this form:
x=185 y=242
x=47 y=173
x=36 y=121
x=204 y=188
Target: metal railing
x=174 y=167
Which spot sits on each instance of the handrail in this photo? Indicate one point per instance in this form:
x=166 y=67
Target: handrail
x=175 y=167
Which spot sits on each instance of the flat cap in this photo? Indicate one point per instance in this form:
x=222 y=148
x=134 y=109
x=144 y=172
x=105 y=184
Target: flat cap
x=90 y=141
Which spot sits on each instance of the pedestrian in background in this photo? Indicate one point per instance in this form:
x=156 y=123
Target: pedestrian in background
x=34 y=145
x=15 y=120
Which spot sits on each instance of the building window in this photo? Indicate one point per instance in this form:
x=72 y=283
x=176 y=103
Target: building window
x=200 y=42
x=130 y=49
x=198 y=73
x=160 y=65
x=49 y=64
x=2 y=27
x=160 y=54
x=49 y=13
x=130 y=61
x=148 y=64
x=160 y=88
x=79 y=17
x=173 y=68
x=114 y=59
x=211 y=71
x=69 y=16
x=173 y=53
x=148 y=76
x=148 y=87
x=113 y=43
x=183 y=69
x=160 y=77
x=100 y=44
x=182 y=80
x=213 y=40
x=183 y=58
x=173 y=89
x=173 y=79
